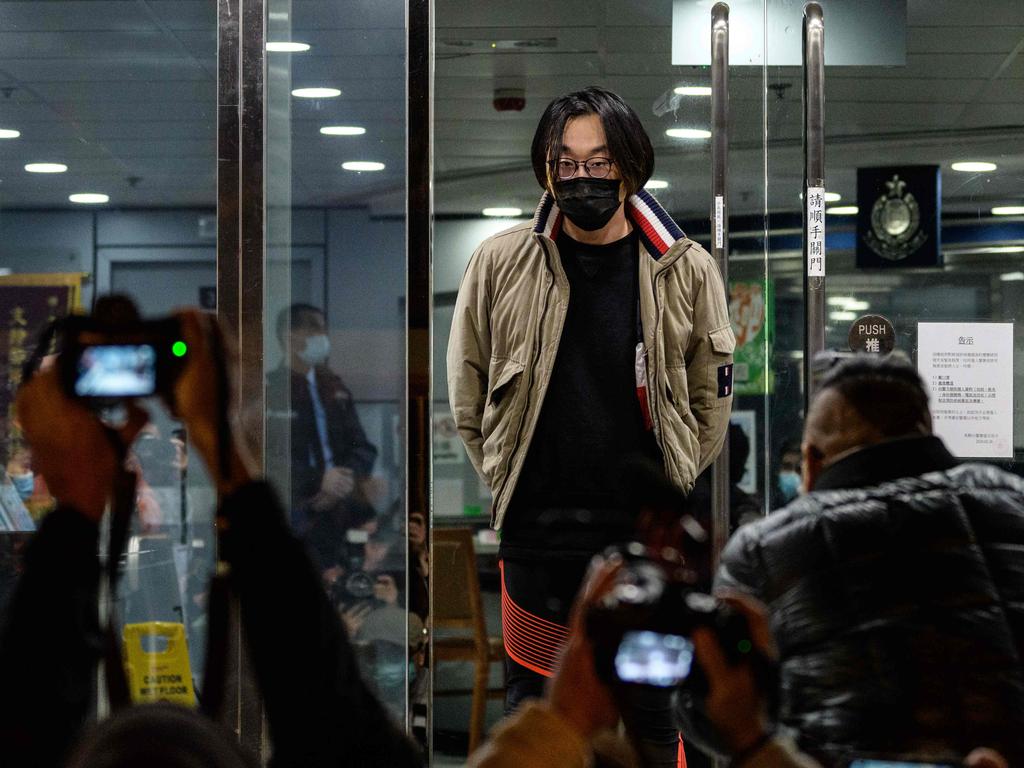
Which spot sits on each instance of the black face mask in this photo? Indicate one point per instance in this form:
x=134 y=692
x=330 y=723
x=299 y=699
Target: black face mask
x=588 y=203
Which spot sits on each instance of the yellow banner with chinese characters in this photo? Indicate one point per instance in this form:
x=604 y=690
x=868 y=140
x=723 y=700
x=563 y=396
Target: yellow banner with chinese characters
x=28 y=303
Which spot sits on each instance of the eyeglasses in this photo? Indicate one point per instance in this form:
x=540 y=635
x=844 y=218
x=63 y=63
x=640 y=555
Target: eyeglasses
x=596 y=167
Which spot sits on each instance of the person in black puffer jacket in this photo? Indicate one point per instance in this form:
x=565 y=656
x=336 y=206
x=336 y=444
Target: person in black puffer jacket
x=895 y=584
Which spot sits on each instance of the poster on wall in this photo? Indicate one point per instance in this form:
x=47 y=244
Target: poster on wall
x=968 y=368
x=751 y=313
x=447 y=445
x=28 y=303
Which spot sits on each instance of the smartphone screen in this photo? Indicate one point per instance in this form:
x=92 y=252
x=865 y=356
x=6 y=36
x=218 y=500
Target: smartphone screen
x=116 y=370
x=651 y=658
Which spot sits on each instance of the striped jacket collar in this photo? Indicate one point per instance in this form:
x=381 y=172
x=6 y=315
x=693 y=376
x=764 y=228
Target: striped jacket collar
x=658 y=232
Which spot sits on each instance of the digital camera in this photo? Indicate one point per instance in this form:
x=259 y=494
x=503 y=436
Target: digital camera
x=642 y=629
x=113 y=355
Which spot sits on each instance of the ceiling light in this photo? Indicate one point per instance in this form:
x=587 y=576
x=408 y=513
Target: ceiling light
x=656 y=184
x=503 y=213
x=89 y=198
x=856 y=306
x=1008 y=210
x=46 y=168
x=843 y=316
x=843 y=210
x=1011 y=277
x=362 y=165
x=342 y=130
x=316 y=93
x=7 y=133
x=974 y=167
x=693 y=90
x=1001 y=249
x=839 y=301
x=688 y=133
x=287 y=47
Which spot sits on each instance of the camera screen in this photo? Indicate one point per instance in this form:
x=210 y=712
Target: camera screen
x=116 y=371
x=651 y=658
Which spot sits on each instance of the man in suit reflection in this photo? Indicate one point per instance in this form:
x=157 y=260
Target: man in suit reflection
x=327 y=450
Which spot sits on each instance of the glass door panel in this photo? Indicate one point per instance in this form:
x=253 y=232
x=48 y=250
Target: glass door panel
x=334 y=320
x=497 y=68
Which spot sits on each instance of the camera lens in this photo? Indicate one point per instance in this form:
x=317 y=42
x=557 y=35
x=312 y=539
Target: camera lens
x=359 y=585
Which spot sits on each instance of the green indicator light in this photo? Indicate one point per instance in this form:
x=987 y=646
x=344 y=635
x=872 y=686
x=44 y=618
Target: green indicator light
x=744 y=646
x=179 y=349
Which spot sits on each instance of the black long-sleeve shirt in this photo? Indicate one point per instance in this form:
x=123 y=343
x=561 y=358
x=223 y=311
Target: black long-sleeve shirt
x=319 y=709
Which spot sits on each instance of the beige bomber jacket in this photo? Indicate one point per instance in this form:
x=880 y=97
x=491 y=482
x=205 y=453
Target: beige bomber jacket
x=507 y=326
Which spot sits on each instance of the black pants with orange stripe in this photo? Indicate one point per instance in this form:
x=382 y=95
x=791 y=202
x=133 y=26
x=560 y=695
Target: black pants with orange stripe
x=536 y=597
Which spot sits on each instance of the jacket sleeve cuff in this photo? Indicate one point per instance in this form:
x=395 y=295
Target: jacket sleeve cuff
x=535 y=736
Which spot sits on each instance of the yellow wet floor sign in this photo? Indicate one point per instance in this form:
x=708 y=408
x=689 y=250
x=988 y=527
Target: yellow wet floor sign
x=156 y=662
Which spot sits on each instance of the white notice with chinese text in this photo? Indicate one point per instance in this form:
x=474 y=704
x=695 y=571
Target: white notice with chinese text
x=968 y=368
x=815 y=233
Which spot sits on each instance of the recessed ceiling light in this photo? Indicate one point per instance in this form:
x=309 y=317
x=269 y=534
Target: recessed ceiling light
x=8 y=133
x=362 y=165
x=656 y=184
x=342 y=130
x=693 y=90
x=287 y=47
x=316 y=93
x=1008 y=210
x=843 y=316
x=843 y=210
x=974 y=167
x=46 y=167
x=89 y=198
x=503 y=213
x=1010 y=277
x=688 y=133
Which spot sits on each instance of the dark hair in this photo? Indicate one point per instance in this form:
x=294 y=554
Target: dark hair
x=159 y=736
x=886 y=391
x=291 y=317
x=628 y=143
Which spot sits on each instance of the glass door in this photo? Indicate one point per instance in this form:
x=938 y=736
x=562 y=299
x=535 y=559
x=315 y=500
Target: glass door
x=497 y=69
x=922 y=212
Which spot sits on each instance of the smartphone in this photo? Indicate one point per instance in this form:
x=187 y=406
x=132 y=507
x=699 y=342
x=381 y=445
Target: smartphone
x=116 y=371
x=653 y=658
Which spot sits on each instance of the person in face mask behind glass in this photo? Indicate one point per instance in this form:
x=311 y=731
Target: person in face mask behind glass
x=787 y=485
x=597 y=332
x=312 y=424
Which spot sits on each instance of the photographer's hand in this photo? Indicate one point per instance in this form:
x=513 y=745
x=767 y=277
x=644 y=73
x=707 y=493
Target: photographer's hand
x=575 y=692
x=734 y=703
x=71 y=448
x=197 y=402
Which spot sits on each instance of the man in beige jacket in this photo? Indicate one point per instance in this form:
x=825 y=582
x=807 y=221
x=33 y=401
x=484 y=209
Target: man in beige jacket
x=596 y=332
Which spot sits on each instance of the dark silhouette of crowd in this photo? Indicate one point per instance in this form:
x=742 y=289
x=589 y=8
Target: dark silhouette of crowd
x=887 y=600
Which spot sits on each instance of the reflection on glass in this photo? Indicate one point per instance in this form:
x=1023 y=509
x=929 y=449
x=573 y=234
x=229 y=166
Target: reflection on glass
x=334 y=317
x=109 y=171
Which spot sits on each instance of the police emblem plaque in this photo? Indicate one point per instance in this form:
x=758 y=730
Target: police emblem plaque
x=898 y=217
